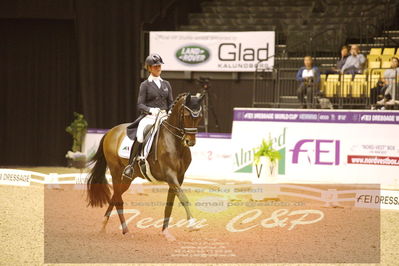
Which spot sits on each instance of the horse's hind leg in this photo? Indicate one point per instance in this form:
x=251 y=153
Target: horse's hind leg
x=119 y=190
x=117 y=201
x=107 y=214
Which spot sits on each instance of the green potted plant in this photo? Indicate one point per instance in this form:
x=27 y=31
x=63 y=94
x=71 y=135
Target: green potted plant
x=265 y=159
x=77 y=129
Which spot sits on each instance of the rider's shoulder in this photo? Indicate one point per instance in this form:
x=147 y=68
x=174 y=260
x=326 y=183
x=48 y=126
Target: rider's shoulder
x=145 y=82
x=167 y=82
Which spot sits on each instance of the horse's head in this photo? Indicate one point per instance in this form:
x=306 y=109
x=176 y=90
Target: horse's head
x=192 y=114
x=185 y=117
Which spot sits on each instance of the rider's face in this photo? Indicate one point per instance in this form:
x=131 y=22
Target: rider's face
x=155 y=70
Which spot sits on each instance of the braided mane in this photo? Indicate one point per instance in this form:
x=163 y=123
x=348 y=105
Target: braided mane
x=178 y=98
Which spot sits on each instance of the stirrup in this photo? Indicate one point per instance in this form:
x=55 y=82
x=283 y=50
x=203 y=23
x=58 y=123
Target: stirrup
x=128 y=168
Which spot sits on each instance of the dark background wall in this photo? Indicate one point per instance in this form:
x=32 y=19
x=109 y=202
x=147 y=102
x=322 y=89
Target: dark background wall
x=61 y=56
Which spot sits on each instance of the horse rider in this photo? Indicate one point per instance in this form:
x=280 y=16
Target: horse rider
x=155 y=95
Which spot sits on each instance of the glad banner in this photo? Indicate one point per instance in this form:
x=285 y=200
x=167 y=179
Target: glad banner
x=319 y=146
x=214 y=51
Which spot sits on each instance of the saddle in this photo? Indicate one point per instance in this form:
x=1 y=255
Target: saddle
x=150 y=134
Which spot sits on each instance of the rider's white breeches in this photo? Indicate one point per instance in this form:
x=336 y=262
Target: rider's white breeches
x=148 y=120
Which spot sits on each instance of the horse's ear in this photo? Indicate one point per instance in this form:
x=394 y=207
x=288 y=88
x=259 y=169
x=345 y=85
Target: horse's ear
x=201 y=97
x=188 y=99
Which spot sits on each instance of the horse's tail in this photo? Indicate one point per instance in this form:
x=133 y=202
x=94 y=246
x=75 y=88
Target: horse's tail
x=98 y=190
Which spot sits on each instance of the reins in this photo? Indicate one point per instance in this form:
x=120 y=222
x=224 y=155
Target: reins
x=182 y=131
x=166 y=124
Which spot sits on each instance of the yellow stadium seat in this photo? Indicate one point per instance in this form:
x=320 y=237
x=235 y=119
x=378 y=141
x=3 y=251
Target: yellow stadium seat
x=346 y=84
x=359 y=85
x=386 y=58
x=386 y=64
x=331 y=85
x=389 y=51
x=373 y=57
x=375 y=51
x=377 y=72
x=397 y=52
x=322 y=82
x=374 y=64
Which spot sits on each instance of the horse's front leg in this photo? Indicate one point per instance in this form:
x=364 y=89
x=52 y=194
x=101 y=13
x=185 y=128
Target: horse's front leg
x=186 y=204
x=168 y=211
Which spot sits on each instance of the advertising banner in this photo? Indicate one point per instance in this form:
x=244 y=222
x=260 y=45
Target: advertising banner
x=14 y=177
x=214 y=51
x=378 y=199
x=319 y=146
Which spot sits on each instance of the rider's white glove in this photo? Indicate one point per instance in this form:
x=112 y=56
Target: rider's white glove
x=154 y=111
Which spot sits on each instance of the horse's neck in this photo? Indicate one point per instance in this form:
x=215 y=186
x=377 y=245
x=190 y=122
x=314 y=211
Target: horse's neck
x=173 y=118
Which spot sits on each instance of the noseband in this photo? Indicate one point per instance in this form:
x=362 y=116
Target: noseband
x=182 y=131
x=194 y=114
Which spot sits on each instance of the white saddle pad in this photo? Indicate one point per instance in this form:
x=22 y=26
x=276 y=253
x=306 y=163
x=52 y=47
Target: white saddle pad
x=124 y=148
x=126 y=145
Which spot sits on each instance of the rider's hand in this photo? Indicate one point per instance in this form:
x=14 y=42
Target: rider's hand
x=154 y=111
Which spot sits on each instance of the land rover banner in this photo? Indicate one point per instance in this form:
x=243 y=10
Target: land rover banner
x=214 y=51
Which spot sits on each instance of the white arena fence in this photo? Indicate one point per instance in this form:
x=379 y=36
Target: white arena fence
x=387 y=199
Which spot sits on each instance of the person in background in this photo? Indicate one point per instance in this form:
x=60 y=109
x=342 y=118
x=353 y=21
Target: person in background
x=377 y=93
x=390 y=82
x=354 y=64
x=309 y=78
x=340 y=62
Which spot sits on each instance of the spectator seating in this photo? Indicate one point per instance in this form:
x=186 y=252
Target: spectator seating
x=381 y=58
x=331 y=85
x=374 y=64
x=289 y=18
x=359 y=86
x=343 y=86
x=386 y=64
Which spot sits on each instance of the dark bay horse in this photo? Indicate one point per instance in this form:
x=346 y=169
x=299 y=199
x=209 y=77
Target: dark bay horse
x=176 y=134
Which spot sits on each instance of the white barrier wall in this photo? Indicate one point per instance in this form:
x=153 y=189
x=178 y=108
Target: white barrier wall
x=320 y=146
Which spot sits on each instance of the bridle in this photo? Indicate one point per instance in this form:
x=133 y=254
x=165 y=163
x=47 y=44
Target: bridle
x=180 y=132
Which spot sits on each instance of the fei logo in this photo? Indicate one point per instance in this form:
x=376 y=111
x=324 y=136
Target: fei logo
x=325 y=152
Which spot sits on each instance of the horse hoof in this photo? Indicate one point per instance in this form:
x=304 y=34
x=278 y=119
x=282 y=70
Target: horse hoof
x=192 y=226
x=193 y=229
x=168 y=235
x=127 y=235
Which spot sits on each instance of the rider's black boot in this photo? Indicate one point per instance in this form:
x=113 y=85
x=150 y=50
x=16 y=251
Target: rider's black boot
x=129 y=170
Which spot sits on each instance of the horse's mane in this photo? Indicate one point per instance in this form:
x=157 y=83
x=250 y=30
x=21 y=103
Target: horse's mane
x=178 y=98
